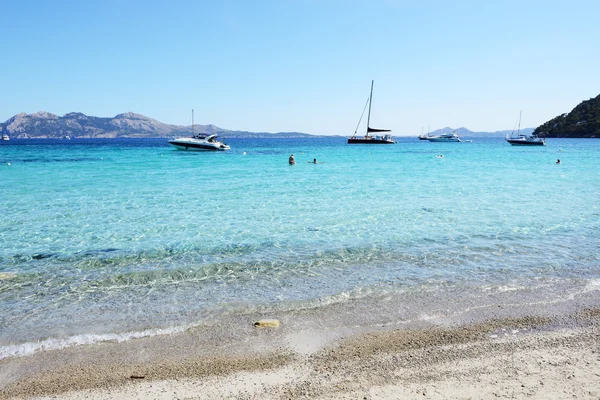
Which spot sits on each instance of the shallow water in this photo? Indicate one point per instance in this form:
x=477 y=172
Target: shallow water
x=126 y=237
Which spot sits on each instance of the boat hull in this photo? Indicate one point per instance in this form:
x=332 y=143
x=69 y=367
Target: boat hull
x=189 y=146
x=443 y=140
x=525 y=143
x=369 y=141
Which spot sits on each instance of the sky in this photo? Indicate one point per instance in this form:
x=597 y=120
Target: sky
x=305 y=65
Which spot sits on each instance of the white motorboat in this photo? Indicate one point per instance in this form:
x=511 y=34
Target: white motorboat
x=199 y=142
x=5 y=137
x=445 y=137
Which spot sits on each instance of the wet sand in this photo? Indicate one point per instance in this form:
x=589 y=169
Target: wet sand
x=533 y=356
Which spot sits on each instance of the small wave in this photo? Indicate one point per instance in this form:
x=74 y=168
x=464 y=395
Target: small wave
x=592 y=285
x=4 y=276
x=25 y=349
x=502 y=288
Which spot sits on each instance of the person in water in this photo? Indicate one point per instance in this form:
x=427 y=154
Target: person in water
x=292 y=160
x=558 y=161
x=315 y=161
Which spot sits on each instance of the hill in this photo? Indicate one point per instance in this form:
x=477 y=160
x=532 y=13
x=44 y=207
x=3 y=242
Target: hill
x=582 y=122
x=127 y=125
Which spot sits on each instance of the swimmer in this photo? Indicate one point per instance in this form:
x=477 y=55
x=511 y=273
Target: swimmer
x=292 y=160
x=558 y=161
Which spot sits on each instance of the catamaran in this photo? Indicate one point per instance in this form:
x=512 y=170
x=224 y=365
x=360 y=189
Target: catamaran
x=370 y=139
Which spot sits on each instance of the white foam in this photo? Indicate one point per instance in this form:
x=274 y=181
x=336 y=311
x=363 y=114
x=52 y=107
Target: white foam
x=29 y=348
x=592 y=285
x=502 y=288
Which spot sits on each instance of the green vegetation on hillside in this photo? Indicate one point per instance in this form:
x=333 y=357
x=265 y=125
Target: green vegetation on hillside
x=582 y=122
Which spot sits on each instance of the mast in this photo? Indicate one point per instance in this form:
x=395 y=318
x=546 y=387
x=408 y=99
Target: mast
x=192 y=122
x=519 y=131
x=370 y=100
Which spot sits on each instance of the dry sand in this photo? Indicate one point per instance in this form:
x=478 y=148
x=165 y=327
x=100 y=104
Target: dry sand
x=524 y=357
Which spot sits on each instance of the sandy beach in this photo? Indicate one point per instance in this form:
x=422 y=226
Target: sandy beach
x=538 y=357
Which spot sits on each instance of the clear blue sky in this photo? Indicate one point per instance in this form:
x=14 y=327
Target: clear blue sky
x=302 y=65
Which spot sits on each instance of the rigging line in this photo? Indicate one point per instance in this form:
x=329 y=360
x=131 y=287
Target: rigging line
x=361 y=116
x=514 y=128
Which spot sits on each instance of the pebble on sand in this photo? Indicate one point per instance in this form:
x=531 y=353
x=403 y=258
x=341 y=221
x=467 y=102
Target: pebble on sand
x=267 y=323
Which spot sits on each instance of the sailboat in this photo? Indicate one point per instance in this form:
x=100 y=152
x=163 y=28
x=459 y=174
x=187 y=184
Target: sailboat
x=369 y=139
x=521 y=139
x=199 y=142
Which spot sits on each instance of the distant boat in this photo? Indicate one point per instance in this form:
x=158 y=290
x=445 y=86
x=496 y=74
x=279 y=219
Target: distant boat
x=521 y=139
x=5 y=137
x=424 y=137
x=199 y=142
x=67 y=137
x=445 y=137
x=369 y=139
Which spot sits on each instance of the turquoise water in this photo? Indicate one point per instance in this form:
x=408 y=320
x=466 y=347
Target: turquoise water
x=118 y=238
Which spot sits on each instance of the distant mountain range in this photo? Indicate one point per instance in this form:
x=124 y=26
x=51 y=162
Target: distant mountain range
x=128 y=125
x=582 y=122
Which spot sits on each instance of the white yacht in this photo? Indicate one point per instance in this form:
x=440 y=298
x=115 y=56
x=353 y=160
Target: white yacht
x=199 y=142
x=444 y=137
x=5 y=137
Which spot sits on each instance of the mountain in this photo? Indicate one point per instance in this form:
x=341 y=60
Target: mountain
x=582 y=122
x=127 y=125
x=464 y=132
x=131 y=125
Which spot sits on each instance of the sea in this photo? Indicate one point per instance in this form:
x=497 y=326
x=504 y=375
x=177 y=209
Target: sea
x=116 y=239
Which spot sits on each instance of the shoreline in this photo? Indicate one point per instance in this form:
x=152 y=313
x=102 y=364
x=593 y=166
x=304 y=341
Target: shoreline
x=533 y=356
